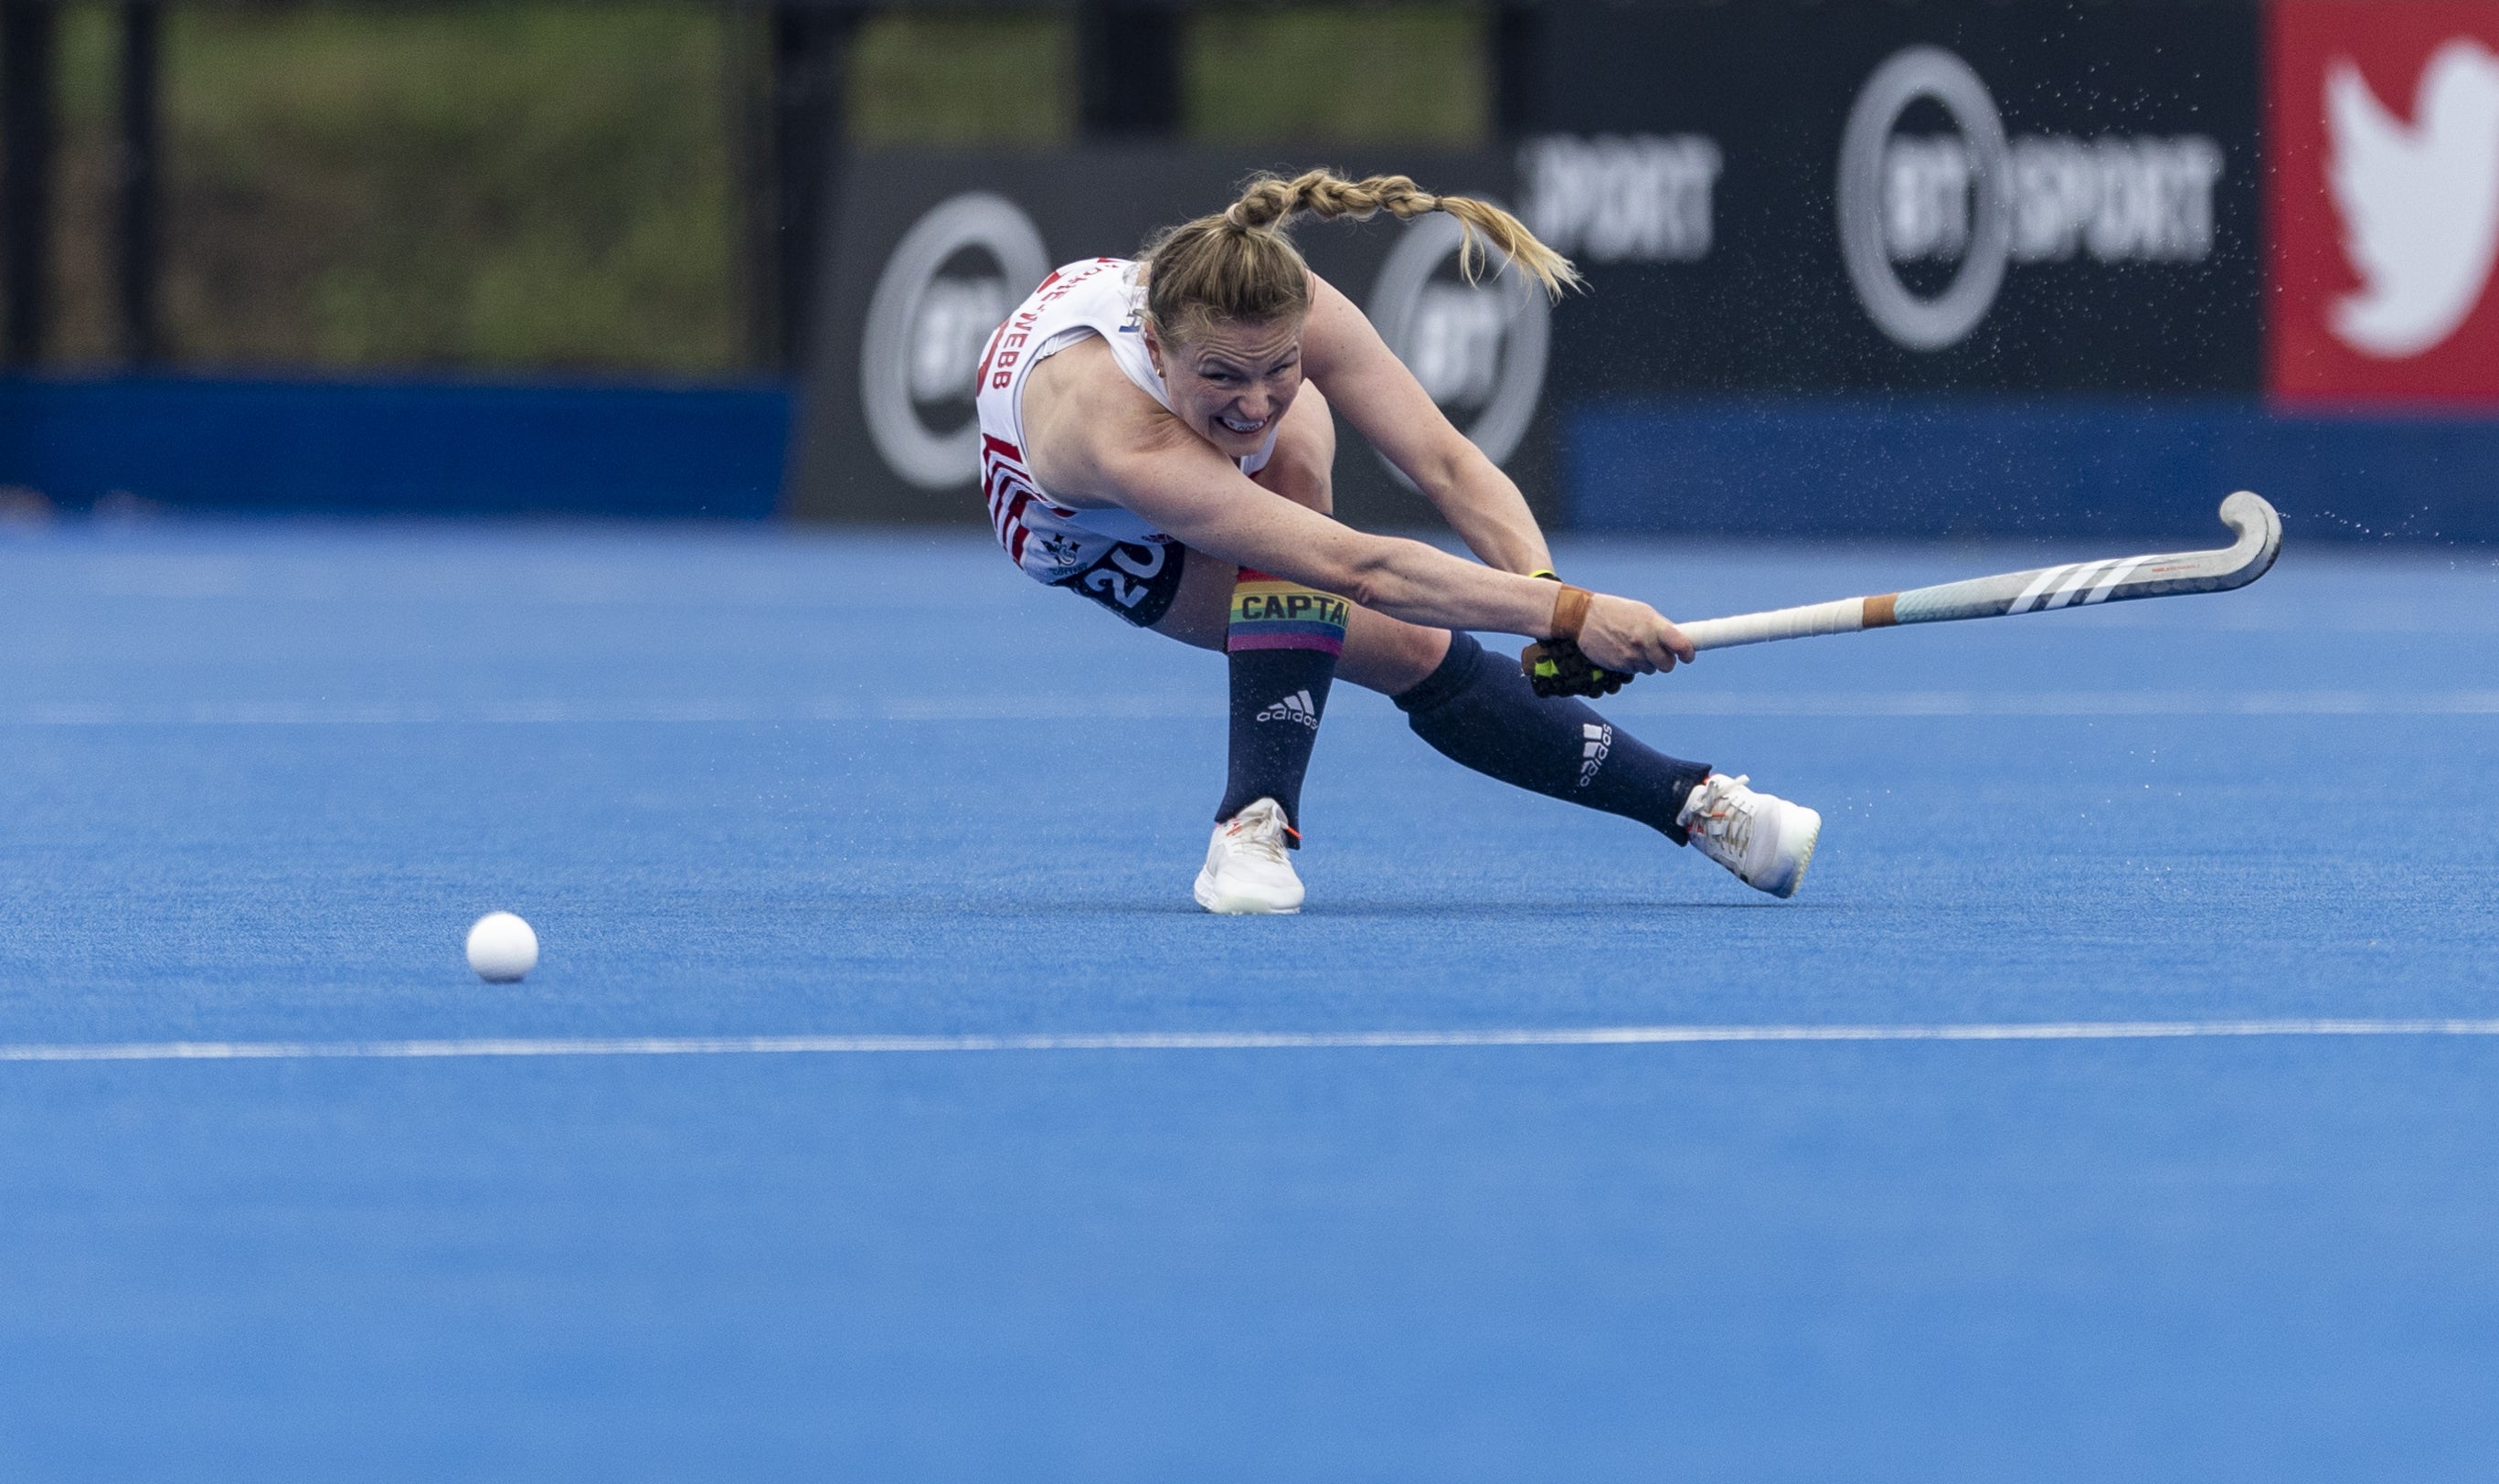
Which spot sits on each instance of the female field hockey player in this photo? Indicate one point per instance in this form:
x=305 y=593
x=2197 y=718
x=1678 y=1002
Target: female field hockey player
x=1156 y=437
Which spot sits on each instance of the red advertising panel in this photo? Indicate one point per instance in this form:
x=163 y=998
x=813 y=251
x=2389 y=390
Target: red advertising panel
x=2383 y=205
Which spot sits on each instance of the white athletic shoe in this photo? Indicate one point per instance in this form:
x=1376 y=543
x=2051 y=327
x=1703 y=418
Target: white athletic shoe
x=1766 y=841
x=1245 y=869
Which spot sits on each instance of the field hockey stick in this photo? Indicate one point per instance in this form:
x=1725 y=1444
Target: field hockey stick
x=2075 y=585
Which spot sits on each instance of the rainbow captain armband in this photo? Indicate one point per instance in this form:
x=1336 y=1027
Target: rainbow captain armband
x=1554 y=666
x=1270 y=613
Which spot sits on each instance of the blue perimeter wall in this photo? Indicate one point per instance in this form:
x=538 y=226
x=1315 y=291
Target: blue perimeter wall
x=399 y=447
x=1807 y=467
x=1927 y=466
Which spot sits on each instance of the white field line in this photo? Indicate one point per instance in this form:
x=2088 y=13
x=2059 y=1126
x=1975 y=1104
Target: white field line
x=1216 y=1041
x=1659 y=701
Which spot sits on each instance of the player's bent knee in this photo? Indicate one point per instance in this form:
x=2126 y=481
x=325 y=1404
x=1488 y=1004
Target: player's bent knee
x=1390 y=656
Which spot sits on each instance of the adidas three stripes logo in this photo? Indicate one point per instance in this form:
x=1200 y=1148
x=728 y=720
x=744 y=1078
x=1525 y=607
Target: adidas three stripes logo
x=1296 y=707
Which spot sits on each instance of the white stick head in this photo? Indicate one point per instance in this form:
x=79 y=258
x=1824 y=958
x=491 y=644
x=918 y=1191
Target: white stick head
x=2260 y=533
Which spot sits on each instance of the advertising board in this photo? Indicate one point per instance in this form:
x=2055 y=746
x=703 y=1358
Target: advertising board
x=2384 y=132
x=931 y=250
x=1785 y=197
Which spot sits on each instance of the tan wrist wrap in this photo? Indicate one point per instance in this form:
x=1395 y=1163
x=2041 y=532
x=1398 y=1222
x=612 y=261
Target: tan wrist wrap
x=1569 y=611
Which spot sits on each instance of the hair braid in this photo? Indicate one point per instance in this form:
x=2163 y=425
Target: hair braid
x=1241 y=265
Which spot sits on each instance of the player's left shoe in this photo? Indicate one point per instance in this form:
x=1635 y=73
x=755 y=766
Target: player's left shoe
x=1766 y=841
x=1245 y=869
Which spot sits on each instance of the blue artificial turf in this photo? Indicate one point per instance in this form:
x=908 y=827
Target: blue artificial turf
x=750 y=783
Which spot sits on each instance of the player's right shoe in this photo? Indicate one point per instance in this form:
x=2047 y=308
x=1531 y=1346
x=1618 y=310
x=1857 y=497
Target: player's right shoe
x=1766 y=841
x=1245 y=869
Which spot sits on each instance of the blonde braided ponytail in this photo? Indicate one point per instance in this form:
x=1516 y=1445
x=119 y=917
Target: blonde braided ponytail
x=1239 y=265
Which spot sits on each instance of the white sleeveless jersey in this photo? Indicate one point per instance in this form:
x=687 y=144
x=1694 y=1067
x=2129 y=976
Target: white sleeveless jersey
x=1101 y=296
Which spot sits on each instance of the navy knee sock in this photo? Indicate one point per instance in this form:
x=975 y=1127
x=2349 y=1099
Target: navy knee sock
x=1477 y=709
x=1283 y=646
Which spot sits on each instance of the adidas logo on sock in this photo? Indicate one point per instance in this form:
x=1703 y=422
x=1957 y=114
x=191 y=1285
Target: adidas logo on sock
x=1296 y=707
x=1597 y=741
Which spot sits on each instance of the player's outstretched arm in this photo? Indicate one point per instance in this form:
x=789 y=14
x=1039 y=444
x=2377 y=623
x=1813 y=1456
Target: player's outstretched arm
x=1344 y=357
x=1197 y=495
x=1096 y=433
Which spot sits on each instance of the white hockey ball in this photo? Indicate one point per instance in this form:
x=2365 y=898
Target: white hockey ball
x=501 y=949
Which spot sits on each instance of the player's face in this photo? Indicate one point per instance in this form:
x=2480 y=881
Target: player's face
x=1234 y=380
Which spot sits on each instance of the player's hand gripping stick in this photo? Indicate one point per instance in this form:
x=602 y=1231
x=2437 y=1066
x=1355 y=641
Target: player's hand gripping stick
x=1555 y=665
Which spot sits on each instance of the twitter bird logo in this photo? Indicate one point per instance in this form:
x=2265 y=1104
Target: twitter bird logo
x=2420 y=201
